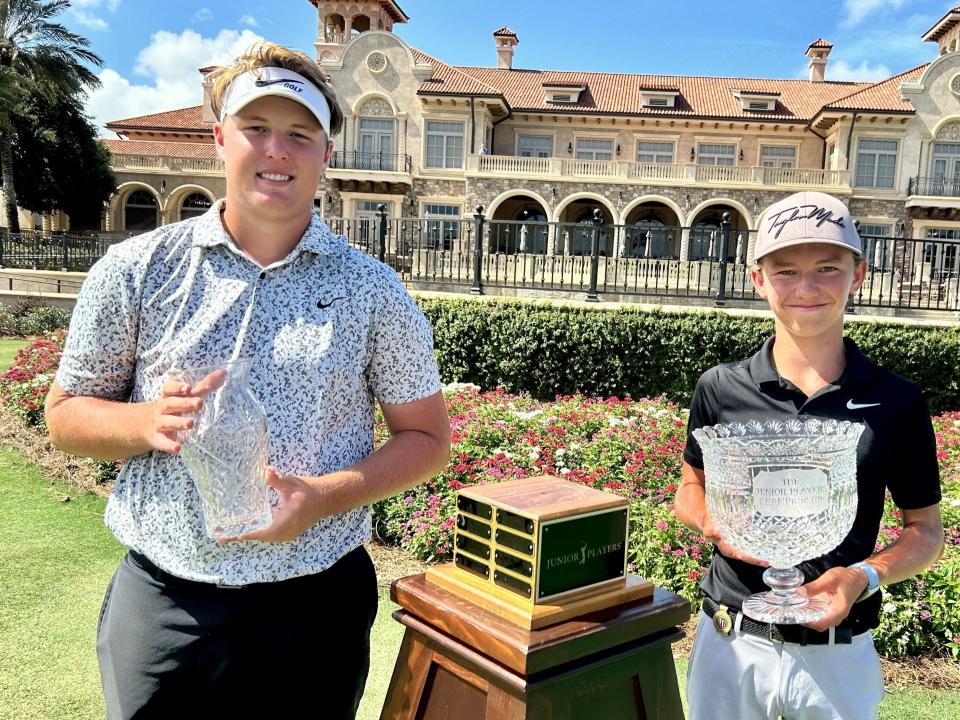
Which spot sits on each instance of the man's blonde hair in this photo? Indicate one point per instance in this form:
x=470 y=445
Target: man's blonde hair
x=266 y=54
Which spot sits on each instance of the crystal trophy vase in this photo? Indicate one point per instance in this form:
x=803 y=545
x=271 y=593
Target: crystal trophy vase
x=783 y=492
x=226 y=449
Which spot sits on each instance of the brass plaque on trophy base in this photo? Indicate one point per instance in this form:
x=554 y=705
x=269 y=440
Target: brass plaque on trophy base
x=540 y=550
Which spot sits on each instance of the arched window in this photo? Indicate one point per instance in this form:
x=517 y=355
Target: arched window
x=140 y=211
x=193 y=205
x=376 y=146
x=361 y=23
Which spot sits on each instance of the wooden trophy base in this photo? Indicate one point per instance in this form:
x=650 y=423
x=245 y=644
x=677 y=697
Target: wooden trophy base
x=461 y=660
x=510 y=606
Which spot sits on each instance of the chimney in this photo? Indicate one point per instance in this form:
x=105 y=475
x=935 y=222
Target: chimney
x=505 y=39
x=818 y=52
x=208 y=75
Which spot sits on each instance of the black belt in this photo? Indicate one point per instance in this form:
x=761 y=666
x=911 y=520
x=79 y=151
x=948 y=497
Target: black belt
x=145 y=564
x=724 y=618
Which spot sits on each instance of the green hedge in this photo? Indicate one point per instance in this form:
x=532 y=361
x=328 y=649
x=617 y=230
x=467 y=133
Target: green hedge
x=548 y=350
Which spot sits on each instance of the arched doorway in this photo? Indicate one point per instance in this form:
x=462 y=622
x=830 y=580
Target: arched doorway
x=705 y=233
x=652 y=230
x=140 y=211
x=194 y=205
x=519 y=225
x=576 y=228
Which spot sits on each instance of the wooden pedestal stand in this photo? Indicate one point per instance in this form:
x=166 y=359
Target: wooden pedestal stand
x=459 y=661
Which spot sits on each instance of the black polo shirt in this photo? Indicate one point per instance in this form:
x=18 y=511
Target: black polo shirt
x=897 y=451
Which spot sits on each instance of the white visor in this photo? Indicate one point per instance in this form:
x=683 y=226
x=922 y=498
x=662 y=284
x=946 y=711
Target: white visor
x=267 y=81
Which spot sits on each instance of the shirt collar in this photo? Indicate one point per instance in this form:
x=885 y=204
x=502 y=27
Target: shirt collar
x=316 y=239
x=858 y=368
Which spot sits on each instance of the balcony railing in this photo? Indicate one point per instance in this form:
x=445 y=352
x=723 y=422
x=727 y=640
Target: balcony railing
x=935 y=186
x=647 y=172
x=377 y=162
x=193 y=166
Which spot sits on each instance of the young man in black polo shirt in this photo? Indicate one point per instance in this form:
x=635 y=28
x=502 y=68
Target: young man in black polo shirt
x=808 y=261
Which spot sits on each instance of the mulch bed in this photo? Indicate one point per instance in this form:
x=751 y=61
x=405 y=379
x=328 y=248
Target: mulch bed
x=393 y=563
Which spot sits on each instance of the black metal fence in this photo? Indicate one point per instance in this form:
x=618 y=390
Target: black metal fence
x=592 y=259
x=353 y=160
x=36 y=251
x=936 y=186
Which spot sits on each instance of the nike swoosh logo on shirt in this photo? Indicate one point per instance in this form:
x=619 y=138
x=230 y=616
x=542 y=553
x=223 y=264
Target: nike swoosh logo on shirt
x=324 y=305
x=851 y=405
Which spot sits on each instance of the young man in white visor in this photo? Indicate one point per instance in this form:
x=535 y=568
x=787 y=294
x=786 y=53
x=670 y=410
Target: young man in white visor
x=808 y=261
x=275 y=623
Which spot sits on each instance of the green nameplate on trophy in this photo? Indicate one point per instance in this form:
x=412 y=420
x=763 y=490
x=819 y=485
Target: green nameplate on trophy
x=540 y=550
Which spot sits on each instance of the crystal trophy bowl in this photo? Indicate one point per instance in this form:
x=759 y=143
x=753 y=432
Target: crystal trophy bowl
x=783 y=492
x=226 y=449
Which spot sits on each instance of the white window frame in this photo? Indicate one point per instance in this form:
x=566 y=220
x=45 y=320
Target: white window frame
x=896 y=162
x=796 y=154
x=551 y=136
x=441 y=219
x=613 y=146
x=701 y=155
x=426 y=142
x=666 y=141
x=659 y=98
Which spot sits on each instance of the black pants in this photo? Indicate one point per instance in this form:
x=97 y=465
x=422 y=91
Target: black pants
x=172 y=648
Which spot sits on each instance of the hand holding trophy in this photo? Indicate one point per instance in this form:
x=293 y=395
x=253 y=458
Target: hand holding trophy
x=784 y=492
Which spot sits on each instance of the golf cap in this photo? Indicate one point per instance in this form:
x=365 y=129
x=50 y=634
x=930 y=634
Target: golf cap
x=277 y=82
x=806 y=217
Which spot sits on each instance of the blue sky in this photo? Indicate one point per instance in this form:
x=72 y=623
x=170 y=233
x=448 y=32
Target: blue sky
x=152 y=50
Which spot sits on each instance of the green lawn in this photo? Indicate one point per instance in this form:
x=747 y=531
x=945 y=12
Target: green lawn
x=8 y=348
x=56 y=558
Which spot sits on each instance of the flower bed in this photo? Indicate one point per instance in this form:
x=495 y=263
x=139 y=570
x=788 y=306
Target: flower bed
x=626 y=446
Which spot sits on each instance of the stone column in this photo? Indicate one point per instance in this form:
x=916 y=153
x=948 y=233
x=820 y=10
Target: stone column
x=685 y=243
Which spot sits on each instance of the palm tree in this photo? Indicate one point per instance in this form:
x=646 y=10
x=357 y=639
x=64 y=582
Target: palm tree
x=36 y=55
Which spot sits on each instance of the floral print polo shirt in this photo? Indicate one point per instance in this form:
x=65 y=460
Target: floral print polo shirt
x=330 y=329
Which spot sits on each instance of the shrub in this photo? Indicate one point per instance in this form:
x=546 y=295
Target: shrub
x=31 y=316
x=25 y=385
x=548 y=350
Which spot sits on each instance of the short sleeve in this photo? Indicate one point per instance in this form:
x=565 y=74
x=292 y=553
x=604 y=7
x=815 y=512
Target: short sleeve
x=402 y=365
x=914 y=474
x=703 y=411
x=99 y=357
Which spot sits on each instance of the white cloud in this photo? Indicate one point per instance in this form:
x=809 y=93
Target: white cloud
x=859 y=10
x=249 y=20
x=169 y=67
x=80 y=10
x=864 y=72
x=203 y=14
x=89 y=20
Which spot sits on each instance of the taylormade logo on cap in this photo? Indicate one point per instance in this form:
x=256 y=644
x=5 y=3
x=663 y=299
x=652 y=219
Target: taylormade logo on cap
x=807 y=217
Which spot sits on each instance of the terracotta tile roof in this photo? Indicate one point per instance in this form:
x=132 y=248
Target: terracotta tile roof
x=448 y=80
x=504 y=32
x=707 y=97
x=205 y=151
x=188 y=119
x=882 y=96
x=942 y=25
x=820 y=43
